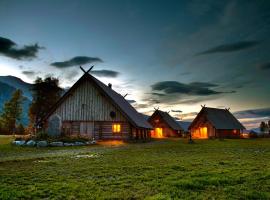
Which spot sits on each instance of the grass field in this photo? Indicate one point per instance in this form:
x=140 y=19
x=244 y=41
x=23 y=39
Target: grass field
x=164 y=169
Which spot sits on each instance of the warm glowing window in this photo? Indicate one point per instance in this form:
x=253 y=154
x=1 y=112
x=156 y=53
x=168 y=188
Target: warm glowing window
x=116 y=128
x=200 y=132
x=159 y=132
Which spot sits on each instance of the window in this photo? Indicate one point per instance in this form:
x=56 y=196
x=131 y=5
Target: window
x=116 y=128
x=159 y=132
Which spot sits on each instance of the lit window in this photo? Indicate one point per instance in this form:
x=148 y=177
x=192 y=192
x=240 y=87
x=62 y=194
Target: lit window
x=159 y=132
x=116 y=128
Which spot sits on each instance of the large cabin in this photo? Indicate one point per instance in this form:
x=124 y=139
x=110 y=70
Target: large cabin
x=215 y=123
x=164 y=125
x=94 y=110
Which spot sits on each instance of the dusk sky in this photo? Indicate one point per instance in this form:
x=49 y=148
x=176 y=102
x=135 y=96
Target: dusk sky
x=175 y=55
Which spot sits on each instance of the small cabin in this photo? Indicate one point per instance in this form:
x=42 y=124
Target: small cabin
x=164 y=125
x=215 y=123
x=94 y=110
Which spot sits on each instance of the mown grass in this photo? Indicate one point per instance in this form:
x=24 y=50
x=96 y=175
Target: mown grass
x=164 y=169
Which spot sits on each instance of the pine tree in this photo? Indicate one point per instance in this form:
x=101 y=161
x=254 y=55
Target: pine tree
x=269 y=127
x=45 y=94
x=263 y=126
x=12 y=111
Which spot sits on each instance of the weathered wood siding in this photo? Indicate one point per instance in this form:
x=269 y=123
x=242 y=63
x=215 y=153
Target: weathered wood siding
x=100 y=130
x=221 y=133
x=87 y=103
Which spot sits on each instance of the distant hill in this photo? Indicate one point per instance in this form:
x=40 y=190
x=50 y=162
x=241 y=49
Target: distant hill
x=18 y=83
x=8 y=84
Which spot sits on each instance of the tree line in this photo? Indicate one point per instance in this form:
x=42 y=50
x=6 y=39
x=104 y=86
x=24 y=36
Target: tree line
x=45 y=93
x=265 y=127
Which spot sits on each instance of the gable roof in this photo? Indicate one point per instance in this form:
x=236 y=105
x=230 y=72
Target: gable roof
x=168 y=119
x=118 y=101
x=219 y=118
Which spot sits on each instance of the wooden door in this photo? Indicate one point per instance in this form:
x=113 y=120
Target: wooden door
x=87 y=129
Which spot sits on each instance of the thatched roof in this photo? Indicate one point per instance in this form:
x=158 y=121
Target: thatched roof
x=219 y=118
x=168 y=119
x=135 y=118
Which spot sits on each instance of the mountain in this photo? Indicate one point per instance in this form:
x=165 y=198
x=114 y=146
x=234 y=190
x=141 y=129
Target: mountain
x=8 y=84
x=18 y=83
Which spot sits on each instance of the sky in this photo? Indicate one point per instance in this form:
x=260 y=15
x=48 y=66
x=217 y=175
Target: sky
x=171 y=55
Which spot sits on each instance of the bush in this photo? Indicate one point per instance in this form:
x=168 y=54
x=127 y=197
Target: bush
x=20 y=130
x=42 y=135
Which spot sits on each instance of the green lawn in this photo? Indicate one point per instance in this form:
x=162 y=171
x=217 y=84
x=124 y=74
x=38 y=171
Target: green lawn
x=164 y=169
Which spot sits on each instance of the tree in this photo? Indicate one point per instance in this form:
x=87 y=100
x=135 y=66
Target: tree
x=263 y=127
x=20 y=130
x=45 y=94
x=12 y=112
x=269 y=127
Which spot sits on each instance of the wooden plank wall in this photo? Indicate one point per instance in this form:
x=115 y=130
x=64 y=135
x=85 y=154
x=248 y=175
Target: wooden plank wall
x=87 y=103
x=102 y=130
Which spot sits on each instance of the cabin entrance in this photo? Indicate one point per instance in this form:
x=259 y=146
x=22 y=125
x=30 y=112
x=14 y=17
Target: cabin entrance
x=87 y=129
x=200 y=133
x=157 y=133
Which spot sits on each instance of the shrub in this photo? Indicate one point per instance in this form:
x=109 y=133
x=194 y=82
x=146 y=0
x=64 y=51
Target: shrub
x=20 y=130
x=42 y=135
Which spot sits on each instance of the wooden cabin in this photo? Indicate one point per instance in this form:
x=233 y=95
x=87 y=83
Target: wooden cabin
x=94 y=110
x=164 y=125
x=215 y=123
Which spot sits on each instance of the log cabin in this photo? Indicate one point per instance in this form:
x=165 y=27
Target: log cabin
x=215 y=123
x=164 y=125
x=94 y=110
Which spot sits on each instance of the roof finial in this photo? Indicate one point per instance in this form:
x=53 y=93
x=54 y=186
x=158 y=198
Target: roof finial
x=87 y=70
x=203 y=106
x=126 y=95
x=156 y=108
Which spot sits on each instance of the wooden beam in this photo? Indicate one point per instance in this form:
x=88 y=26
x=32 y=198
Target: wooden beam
x=82 y=69
x=87 y=70
x=90 y=68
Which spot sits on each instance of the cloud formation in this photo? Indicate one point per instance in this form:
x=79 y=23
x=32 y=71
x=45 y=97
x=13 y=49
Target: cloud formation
x=105 y=73
x=78 y=60
x=10 y=49
x=253 y=117
x=254 y=113
x=177 y=111
x=226 y=48
x=28 y=72
x=194 y=88
x=264 y=66
x=131 y=101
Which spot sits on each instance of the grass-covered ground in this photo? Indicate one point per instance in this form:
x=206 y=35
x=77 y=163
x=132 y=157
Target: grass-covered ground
x=164 y=169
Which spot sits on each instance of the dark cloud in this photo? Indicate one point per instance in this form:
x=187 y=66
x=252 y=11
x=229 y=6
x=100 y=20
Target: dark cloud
x=157 y=94
x=142 y=105
x=254 y=113
x=10 y=49
x=194 y=88
x=29 y=73
x=189 y=115
x=226 y=48
x=105 y=73
x=177 y=111
x=131 y=101
x=264 y=66
x=79 y=60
